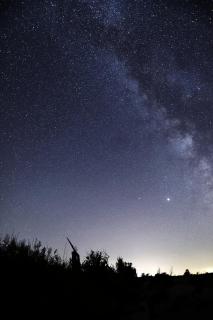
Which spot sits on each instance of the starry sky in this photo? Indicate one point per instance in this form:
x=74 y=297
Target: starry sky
x=106 y=128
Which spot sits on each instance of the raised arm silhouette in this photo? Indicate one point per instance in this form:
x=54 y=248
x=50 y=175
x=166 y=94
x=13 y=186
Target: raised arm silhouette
x=75 y=261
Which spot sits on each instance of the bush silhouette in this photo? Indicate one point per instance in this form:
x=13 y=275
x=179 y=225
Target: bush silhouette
x=125 y=269
x=22 y=255
x=96 y=262
x=187 y=273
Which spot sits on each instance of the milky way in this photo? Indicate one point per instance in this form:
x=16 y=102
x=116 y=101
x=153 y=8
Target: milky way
x=106 y=128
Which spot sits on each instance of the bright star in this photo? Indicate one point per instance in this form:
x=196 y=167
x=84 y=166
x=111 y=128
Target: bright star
x=168 y=199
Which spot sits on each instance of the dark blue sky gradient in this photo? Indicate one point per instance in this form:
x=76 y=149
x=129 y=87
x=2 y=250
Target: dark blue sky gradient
x=106 y=128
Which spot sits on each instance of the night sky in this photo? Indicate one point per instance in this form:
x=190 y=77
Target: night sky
x=106 y=128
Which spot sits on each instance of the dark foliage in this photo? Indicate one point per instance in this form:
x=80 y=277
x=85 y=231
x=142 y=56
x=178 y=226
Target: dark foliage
x=96 y=262
x=35 y=282
x=125 y=269
x=187 y=273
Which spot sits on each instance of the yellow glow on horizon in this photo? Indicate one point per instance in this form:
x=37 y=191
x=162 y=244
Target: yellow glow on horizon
x=208 y=269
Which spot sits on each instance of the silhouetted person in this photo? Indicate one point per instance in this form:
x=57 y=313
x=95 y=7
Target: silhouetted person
x=76 y=264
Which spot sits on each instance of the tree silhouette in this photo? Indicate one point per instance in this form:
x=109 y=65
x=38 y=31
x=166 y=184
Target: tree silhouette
x=187 y=273
x=125 y=269
x=96 y=262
